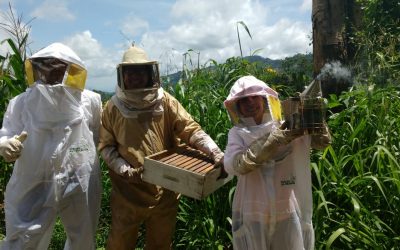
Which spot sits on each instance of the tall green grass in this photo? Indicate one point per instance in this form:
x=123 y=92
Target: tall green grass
x=357 y=184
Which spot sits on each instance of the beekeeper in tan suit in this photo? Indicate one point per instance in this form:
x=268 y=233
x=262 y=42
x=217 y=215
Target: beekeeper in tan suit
x=142 y=119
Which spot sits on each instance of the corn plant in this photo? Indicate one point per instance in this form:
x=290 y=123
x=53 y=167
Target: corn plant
x=238 y=34
x=12 y=82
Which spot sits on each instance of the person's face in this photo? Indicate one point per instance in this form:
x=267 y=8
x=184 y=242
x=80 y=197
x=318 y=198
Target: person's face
x=252 y=106
x=50 y=70
x=136 y=77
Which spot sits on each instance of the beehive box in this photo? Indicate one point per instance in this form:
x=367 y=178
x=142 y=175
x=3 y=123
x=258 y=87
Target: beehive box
x=184 y=170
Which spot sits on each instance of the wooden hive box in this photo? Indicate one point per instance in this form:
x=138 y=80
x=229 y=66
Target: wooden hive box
x=183 y=170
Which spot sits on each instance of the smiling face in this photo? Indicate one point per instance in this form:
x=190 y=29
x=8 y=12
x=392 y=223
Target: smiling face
x=252 y=106
x=136 y=77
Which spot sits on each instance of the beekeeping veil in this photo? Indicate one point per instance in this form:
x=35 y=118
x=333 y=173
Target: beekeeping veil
x=56 y=57
x=56 y=77
x=251 y=86
x=132 y=102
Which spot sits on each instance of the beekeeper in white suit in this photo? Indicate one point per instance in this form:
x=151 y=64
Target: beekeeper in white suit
x=51 y=130
x=272 y=206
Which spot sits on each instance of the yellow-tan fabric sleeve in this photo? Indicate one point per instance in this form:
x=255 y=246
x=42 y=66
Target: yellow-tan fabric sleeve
x=107 y=137
x=184 y=126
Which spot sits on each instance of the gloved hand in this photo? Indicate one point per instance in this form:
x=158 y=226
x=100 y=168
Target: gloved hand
x=120 y=166
x=134 y=175
x=123 y=168
x=321 y=141
x=219 y=163
x=11 y=148
x=218 y=157
x=270 y=147
x=203 y=142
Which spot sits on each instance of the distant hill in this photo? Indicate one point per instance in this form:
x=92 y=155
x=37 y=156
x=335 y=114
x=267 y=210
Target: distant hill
x=264 y=62
x=105 y=96
x=276 y=64
x=171 y=78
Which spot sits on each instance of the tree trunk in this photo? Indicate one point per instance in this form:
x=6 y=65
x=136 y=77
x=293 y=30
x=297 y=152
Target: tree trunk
x=334 y=24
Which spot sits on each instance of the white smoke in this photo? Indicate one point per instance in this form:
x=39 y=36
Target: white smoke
x=335 y=70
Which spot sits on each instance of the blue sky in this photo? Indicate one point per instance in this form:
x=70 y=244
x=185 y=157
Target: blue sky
x=100 y=30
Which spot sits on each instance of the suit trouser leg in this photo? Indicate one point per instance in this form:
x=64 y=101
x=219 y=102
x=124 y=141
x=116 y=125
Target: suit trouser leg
x=160 y=226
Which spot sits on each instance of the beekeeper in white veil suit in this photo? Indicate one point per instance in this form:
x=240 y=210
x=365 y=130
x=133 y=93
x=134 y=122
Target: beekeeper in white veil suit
x=272 y=207
x=51 y=130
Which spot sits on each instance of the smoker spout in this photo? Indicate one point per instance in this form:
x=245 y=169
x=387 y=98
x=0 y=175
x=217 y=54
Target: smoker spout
x=313 y=90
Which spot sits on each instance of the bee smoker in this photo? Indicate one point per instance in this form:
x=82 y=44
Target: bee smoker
x=307 y=110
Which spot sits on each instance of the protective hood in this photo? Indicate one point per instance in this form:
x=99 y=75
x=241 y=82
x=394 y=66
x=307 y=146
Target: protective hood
x=76 y=73
x=251 y=86
x=136 y=56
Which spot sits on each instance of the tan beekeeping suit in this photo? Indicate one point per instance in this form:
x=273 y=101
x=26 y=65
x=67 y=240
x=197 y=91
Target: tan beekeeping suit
x=142 y=119
x=134 y=139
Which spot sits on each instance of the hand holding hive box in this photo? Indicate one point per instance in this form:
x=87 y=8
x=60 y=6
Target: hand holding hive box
x=184 y=170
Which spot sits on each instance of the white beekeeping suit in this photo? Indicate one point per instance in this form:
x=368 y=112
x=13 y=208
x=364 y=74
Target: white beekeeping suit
x=272 y=206
x=56 y=172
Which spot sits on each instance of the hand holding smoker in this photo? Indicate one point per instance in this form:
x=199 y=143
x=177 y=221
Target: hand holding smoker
x=307 y=110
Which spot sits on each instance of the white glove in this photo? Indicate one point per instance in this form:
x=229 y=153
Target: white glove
x=203 y=142
x=134 y=175
x=217 y=156
x=11 y=148
x=120 y=166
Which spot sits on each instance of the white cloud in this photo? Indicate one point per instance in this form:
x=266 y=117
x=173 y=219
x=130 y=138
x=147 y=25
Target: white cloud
x=306 y=5
x=133 y=26
x=99 y=61
x=167 y=29
x=210 y=28
x=3 y=35
x=283 y=39
x=55 y=10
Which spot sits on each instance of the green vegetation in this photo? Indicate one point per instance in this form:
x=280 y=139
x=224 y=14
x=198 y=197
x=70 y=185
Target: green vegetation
x=104 y=95
x=378 y=60
x=356 y=183
x=356 y=180
x=12 y=82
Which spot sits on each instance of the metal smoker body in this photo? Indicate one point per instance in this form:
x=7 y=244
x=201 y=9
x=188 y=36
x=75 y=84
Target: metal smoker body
x=306 y=111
